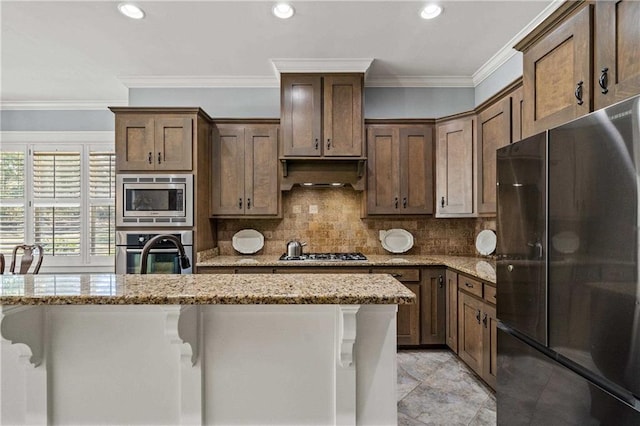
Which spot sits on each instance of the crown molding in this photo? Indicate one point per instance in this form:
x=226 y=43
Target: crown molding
x=206 y=81
x=420 y=81
x=294 y=65
x=61 y=105
x=507 y=51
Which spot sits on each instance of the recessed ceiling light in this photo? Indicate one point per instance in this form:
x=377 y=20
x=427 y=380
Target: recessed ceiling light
x=430 y=11
x=283 y=10
x=131 y=10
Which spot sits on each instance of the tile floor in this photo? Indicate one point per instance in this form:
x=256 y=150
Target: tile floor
x=436 y=388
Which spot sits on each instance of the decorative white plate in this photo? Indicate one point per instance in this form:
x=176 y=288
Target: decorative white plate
x=486 y=242
x=247 y=241
x=396 y=240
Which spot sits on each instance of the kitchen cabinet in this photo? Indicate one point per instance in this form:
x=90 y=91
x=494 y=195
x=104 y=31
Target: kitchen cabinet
x=148 y=141
x=322 y=115
x=517 y=112
x=433 y=307
x=451 y=323
x=399 y=169
x=245 y=170
x=494 y=131
x=557 y=74
x=617 y=56
x=477 y=327
x=454 y=167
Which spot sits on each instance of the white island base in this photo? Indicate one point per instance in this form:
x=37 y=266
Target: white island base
x=198 y=364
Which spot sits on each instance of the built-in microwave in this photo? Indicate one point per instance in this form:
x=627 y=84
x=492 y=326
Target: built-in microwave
x=154 y=200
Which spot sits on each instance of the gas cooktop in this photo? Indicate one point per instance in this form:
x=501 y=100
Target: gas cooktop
x=324 y=257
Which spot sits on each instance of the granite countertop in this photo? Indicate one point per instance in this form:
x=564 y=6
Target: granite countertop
x=110 y=289
x=480 y=267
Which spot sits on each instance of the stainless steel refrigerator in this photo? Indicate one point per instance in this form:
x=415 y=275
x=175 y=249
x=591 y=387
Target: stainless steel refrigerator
x=568 y=287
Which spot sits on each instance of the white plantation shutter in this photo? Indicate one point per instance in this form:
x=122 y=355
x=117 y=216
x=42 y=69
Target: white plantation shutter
x=12 y=199
x=60 y=194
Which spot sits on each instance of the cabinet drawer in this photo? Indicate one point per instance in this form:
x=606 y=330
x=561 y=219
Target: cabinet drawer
x=490 y=294
x=403 y=275
x=470 y=285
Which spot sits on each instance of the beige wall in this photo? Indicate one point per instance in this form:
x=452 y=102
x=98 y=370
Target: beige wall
x=337 y=227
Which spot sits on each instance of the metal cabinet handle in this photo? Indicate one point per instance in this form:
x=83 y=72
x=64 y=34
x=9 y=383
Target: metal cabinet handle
x=248 y=203
x=159 y=158
x=150 y=158
x=440 y=281
x=239 y=203
x=396 y=202
x=478 y=316
x=396 y=275
x=603 y=81
x=328 y=143
x=468 y=285
x=578 y=92
x=442 y=202
x=404 y=202
x=317 y=146
x=484 y=320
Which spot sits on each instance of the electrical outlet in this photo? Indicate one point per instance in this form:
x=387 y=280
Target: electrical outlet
x=313 y=209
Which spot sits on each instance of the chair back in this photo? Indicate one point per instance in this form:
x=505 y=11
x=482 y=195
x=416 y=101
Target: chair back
x=27 y=258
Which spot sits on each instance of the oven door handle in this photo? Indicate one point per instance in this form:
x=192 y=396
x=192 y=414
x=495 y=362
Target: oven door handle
x=153 y=251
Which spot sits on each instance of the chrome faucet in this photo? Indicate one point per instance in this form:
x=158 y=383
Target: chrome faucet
x=184 y=260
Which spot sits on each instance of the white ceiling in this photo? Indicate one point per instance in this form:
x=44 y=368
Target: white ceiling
x=86 y=51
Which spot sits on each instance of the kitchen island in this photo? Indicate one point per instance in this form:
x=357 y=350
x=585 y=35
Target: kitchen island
x=199 y=349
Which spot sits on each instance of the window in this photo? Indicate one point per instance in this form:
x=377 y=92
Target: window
x=60 y=195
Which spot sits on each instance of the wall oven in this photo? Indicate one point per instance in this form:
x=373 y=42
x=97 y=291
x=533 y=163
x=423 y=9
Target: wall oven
x=154 y=200
x=163 y=256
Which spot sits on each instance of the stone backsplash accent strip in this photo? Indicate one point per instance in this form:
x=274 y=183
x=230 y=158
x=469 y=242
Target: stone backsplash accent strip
x=328 y=220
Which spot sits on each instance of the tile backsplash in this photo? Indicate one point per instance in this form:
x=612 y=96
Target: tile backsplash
x=328 y=220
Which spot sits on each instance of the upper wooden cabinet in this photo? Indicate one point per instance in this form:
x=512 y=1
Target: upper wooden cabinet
x=494 y=131
x=322 y=115
x=399 y=169
x=154 y=139
x=245 y=170
x=557 y=74
x=584 y=57
x=617 y=54
x=454 y=167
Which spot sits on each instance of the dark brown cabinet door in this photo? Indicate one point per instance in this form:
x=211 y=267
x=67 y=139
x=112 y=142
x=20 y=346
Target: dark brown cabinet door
x=617 y=56
x=408 y=320
x=490 y=345
x=301 y=117
x=173 y=143
x=517 y=112
x=383 y=174
x=227 y=168
x=432 y=307
x=135 y=145
x=557 y=71
x=494 y=131
x=470 y=332
x=454 y=168
x=451 y=326
x=416 y=170
x=261 y=190
x=343 y=116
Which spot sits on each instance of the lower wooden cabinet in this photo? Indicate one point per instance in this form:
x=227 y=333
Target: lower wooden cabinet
x=433 y=307
x=477 y=334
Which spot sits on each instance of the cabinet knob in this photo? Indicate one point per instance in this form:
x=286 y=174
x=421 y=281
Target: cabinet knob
x=159 y=158
x=239 y=203
x=317 y=146
x=396 y=202
x=328 y=143
x=150 y=158
x=509 y=268
x=603 y=81
x=578 y=92
x=248 y=203
x=404 y=202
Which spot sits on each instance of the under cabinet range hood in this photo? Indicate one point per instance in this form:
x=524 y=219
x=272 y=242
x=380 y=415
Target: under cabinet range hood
x=323 y=173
